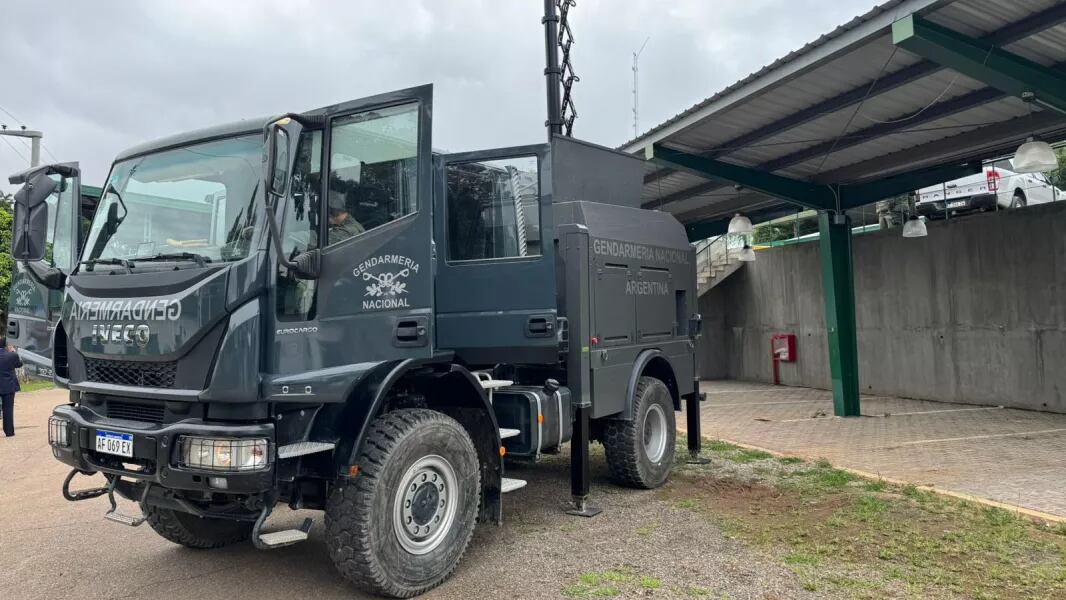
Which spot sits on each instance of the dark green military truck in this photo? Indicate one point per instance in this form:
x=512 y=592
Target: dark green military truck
x=316 y=310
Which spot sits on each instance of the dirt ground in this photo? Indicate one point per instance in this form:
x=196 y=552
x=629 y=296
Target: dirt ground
x=644 y=545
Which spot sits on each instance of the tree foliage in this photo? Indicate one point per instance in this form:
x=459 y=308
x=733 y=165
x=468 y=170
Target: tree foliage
x=1058 y=176
x=7 y=263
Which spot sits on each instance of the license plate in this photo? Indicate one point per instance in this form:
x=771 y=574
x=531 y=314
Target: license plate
x=111 y=442
x=957 y=204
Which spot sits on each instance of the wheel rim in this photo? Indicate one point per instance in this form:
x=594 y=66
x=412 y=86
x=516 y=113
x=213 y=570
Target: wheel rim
x=425 y=504
x=654 y=433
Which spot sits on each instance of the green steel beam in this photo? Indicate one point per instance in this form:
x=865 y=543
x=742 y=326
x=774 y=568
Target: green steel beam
x=854 y=196
x=809 y=195
x=838 y=281
x=981 y=60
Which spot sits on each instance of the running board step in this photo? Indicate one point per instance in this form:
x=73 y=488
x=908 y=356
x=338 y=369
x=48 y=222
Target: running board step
x=510 y=485
x=286 y=537
x=302 y=448
x=278 y=539
x=124 y=519
x=509 y=433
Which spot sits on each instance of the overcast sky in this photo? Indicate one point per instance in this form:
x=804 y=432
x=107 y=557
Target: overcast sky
x=98 y=77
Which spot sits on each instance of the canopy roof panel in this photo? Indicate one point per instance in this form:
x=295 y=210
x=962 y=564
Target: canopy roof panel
x=852 y=107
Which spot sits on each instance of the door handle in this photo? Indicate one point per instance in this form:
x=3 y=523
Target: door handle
x=411 y=331
x=540 y=326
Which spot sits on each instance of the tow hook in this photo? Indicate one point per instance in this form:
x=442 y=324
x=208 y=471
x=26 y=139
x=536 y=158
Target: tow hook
x=113 y=515
x=81 y=494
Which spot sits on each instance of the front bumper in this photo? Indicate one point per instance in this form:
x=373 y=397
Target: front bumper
x=155 y=451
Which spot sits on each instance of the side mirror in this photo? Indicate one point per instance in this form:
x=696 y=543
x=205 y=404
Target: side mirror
x=281 y=134
x=30 y=235
x=278 y=165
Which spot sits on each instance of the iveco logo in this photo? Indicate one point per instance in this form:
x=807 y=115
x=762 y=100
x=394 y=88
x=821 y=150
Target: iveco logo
x=118 y=333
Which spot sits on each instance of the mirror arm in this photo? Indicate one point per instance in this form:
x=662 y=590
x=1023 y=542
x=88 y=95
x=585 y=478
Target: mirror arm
x=275 y=237
x=51 y=278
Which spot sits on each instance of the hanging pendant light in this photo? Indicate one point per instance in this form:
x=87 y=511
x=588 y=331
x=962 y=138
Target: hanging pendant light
x=1035 y=156
x=914 y=227
x=740 y=224
x=746 y=254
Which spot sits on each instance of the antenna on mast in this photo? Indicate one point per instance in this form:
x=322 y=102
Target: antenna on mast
x=559 y=73
x=636 y=110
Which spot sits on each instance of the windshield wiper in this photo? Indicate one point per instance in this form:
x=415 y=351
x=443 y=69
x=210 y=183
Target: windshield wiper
x=92 y=262
x=200 y=259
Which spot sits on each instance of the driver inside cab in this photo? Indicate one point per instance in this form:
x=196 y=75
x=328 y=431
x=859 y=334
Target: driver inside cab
x=341 y=223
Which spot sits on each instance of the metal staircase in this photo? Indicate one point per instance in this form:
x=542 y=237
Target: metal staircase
x=716 y=259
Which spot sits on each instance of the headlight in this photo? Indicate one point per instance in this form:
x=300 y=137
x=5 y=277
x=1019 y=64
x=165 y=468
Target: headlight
x=58 y=431
x=231 y=455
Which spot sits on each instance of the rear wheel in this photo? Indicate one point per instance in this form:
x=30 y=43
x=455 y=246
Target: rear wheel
x=196 y=532
x=402 y=525
x=640 y=452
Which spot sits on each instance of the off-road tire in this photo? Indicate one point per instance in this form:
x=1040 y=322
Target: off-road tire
x=192 y=531
x=623 y=441
x=360 y=534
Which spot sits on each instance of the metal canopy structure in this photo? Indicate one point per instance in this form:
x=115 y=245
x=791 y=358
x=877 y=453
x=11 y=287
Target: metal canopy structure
x=913 y=93
x=852 y=109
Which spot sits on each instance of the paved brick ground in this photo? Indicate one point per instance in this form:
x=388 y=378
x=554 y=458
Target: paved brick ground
x=1007 y=455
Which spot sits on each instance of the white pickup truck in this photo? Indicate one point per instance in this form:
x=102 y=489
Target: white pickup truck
x=998 y=185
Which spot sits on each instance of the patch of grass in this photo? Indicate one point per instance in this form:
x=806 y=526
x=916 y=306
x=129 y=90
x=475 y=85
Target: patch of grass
x=687 y=504
x=874 y=486
x=791 y=460
x=869 y=538
x=650 y=583
x=610 y=583
x=868 y=507
x=801 y=558
x=647 y=530
x=720 y=446
x=746 y=455
x=35 y=385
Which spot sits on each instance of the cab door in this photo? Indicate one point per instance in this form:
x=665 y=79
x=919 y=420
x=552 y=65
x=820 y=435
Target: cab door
x=33 y=308
x=495 y=295
x=361 y=192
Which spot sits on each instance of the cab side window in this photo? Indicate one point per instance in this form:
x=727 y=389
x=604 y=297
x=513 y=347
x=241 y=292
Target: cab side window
x=373 y=170
x=493 y=209
x=300 y=231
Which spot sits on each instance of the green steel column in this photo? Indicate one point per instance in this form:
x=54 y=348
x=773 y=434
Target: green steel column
x=838 y=281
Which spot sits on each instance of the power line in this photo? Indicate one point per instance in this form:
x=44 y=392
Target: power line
x=13 y=117
x=13 y=148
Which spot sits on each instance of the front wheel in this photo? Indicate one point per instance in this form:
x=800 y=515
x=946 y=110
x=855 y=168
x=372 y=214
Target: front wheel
x=192 y=531
x=402 y=525
x=1018 y=201
x=640 y=452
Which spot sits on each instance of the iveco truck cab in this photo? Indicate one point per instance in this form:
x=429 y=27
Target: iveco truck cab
x=317 y=311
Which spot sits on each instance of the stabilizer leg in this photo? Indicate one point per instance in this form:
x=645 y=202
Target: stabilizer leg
x=695 y=439
x=579 y=464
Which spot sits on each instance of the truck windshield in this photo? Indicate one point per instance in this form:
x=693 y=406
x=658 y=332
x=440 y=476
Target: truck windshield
x=199 y=201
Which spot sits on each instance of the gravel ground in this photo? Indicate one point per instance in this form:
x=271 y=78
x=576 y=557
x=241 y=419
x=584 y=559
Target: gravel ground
x=50 y=548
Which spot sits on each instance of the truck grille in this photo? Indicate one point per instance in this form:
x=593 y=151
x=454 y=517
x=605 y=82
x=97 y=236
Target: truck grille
x=149 y=413
x=127 y=372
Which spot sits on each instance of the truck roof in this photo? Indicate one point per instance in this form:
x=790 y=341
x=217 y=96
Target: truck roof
x=243 y=126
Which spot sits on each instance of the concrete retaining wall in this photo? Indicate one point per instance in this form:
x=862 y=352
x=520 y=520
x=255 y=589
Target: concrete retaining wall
x=974 y=313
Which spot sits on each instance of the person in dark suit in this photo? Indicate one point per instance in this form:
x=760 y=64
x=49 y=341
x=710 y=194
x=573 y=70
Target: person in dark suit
x=9 y=384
